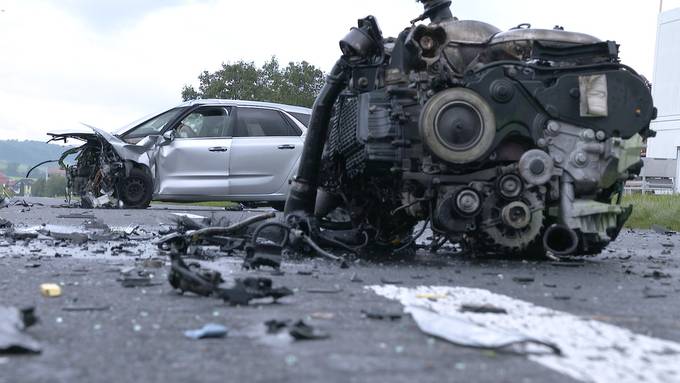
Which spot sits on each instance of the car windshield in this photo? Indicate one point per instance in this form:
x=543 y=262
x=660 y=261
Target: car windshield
x=149 y=125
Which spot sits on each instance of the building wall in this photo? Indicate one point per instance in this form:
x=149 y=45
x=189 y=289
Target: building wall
x=666 y=87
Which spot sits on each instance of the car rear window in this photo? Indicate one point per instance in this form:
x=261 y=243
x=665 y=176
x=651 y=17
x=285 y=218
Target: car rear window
x=302 y=117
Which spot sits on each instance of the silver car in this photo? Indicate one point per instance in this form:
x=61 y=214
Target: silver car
x=201 y=150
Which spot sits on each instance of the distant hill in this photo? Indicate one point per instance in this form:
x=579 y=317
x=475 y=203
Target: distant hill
x=16 y=157
x=29 y=152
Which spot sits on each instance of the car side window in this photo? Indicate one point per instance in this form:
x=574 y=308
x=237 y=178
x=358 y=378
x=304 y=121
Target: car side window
x=205 y=122
x=256 y=122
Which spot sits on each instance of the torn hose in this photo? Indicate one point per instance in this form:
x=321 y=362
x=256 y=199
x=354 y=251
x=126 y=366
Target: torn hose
x=302 y=196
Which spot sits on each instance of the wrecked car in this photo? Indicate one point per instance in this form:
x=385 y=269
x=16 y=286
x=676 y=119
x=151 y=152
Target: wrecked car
x=201 y=150
x=510 y=142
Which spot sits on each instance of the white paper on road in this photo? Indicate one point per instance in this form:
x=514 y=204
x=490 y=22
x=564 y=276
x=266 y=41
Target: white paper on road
x=592 y=351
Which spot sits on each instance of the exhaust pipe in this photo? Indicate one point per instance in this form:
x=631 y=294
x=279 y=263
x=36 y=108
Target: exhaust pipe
x=560 y=240
x=302 y=195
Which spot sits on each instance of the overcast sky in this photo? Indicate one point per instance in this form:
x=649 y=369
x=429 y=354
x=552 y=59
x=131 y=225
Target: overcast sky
x=108 y=62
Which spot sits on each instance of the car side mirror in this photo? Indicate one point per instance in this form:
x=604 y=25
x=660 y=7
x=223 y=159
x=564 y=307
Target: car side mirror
x=169 y=135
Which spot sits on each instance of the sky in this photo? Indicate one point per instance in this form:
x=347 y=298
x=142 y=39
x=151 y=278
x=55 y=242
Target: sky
x=109 y=62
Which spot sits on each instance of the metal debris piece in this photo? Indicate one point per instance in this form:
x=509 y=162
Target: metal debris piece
x=210 y=330
x=355 y=278
x=274 y=326
x=193 y=278
x=322 y=315
x=255 y=260
x=482 y=309
x=652 y=293
x=135 y=278
x=22 y=234
x=388 y=281
x=656 y=274
x=77 y=216
x=96 y=224
x=523 y=280
x=77 y=238
x=5 y=224
x=245 y=290
x=86 y=308
x=324 y=291
x=13 y=339
x=302 y=331
x=381 y=315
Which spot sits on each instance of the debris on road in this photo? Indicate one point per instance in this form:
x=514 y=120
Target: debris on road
x=135 y=278
x=482 y=309
x=274 y=326
x=324 y=291
x=5 y=224
x=662 y=230
x=50 y=290
x=381 y=315
x=86 y=308
x=651 y=293
x=302 y=331
x=205 y=282
x=656 y=274
x=523 y=280
x=210 y=330
x=77 y=216
x=13 y=339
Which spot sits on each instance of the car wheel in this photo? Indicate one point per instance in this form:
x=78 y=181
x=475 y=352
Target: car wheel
x=136 y=190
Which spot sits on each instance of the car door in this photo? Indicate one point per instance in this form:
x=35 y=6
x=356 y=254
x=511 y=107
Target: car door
x=195 y=162
x=264 y=148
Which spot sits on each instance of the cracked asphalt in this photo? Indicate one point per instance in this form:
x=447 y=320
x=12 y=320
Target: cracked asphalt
x=634 y=284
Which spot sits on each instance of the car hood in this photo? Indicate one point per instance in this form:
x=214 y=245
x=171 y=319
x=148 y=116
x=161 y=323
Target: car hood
x=132 y=152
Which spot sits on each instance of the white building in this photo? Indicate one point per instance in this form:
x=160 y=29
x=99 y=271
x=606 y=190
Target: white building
x=666 y=87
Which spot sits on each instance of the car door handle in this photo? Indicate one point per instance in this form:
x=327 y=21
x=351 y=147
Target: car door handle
x=283 y=147
x=218 y=149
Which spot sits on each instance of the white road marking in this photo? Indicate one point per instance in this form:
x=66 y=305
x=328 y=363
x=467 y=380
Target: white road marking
x=593 y=351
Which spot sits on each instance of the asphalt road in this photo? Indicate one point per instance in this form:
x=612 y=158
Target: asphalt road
x=634 y=285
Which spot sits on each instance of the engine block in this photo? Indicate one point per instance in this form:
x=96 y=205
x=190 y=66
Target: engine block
x=506 y=142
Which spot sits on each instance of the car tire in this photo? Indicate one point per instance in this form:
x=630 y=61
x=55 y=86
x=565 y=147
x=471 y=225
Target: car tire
x=136 y=190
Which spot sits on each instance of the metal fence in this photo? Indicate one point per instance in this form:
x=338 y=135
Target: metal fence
x=657 y=177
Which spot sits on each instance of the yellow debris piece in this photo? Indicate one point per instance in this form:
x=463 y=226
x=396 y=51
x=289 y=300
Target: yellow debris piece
x=50 y=290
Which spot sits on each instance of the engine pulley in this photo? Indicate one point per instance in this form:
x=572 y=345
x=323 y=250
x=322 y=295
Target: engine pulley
x=458 y=125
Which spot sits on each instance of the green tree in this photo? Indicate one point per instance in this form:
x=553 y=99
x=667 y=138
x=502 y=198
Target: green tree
x=55 y=186
x=298 y=83
x=38 y=188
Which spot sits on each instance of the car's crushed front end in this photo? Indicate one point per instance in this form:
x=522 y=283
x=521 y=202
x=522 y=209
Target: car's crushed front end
x=107 y=172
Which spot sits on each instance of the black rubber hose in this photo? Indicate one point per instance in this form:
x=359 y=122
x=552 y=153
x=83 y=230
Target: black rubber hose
x=302 y=195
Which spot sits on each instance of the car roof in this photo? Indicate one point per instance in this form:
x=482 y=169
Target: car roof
x=214 y=101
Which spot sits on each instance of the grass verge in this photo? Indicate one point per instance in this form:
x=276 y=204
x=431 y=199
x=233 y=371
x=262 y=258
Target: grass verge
x=649 y=209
